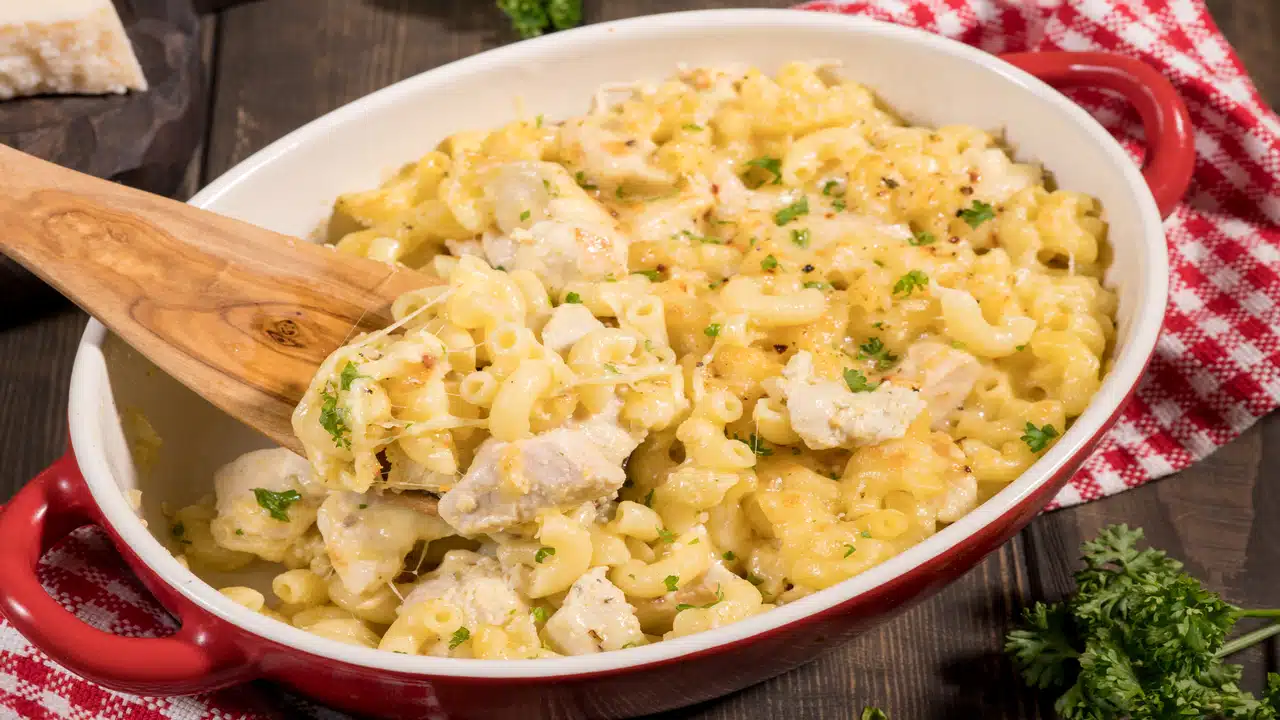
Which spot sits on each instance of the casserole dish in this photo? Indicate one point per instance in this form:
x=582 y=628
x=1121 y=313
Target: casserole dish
x=289 y=187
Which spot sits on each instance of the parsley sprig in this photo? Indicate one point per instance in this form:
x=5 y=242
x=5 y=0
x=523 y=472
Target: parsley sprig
x=1139 y=639
x=532 y=18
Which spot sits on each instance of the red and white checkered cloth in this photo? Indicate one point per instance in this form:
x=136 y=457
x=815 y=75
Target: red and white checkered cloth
x=1216 y=370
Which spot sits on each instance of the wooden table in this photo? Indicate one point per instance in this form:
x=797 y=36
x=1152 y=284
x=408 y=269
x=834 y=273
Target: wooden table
x=276 y=64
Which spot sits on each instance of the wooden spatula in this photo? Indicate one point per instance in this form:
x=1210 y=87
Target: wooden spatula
x=241 y=315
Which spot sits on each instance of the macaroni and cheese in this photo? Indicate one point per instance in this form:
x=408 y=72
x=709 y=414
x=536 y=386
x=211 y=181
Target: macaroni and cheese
x=719 y=343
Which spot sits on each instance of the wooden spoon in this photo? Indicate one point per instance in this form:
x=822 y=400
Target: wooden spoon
x=241 y=315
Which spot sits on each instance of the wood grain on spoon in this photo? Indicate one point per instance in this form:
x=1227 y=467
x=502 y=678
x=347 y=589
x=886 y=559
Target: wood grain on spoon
x=241 y=315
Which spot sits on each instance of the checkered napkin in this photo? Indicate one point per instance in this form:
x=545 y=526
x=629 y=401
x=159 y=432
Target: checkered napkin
x=1214 y=374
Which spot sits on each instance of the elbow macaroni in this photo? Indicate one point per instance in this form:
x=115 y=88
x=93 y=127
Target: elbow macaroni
x=754 y=257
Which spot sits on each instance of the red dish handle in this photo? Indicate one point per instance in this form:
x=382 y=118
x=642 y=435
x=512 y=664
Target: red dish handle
x=1171 y=150
x=56 y=502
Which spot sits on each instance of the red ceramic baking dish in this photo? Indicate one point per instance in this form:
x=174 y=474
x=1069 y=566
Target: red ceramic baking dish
x=290 y=186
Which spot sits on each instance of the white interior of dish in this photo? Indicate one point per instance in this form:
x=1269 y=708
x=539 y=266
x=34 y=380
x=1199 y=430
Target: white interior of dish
x=289 y=187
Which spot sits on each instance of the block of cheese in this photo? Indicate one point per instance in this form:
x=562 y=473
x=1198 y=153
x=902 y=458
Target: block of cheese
x=65 y=47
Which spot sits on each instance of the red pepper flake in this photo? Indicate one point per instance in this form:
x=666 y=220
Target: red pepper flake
x=428 y=362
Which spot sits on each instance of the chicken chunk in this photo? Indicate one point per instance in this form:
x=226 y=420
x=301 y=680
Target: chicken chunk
x=609 y=156
x=508 y=483
x=481 y=591
x=825 y=414
x=944 y=374
x=569 y=323
x=367 y=537
x=266 y=500
x=595 y=616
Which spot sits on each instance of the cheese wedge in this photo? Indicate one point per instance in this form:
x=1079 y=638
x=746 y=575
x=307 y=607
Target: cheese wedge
x=65 y=47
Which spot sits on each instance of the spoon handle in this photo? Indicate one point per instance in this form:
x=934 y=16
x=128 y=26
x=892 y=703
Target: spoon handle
x=239 y=314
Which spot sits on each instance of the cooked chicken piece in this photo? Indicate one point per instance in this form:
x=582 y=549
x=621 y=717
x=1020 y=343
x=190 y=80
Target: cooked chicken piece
x=610 y=157
x=944 y=374
x=368 y=536
x=595 y=616
x=825 y=414
x=569 y=323
x=508 y=483
x=267 y=499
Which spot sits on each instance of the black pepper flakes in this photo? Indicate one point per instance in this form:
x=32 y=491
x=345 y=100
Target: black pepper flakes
x=779 y=349
x=807 y=268
x=966 y=190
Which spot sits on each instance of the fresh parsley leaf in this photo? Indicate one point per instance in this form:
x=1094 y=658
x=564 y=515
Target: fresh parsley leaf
x=729 y=556
x=539 y=614
x=583 y=182
x=755 y=579
x=771 y=165
x=713 y=603
x=976 y=214
x=693 y=127
x=460 y=636
x=665 y=535
x=800 y=238
x=908 y=283
x=791 y=212
x=573 y=298
x=849 y=549
x=711 y=330
x=920 y=237
x=648 y=345
x=818 y=285
x=833 y=188
x=177 y=530
x=543 y=553
x=648 y=499
x=839 y=204
x=276 y=503
x=1038 y=438
x=538 y=121
x=611 y=368
x=653 y=275
x=873 y=713
x=334 y=419
x=769 y=263
x=239 y=531
x=525 y=215
x=1020 y=348
x=672 y=582
x=757 y=446
x=875 y=351
x=349 y=375
x=857 y=382
x=865 y=534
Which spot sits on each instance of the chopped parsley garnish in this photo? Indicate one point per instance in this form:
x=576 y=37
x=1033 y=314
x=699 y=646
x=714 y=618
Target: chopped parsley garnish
x=653 y=275
x=875 y=351
x=757 y=445
x=922 y=238
x=276 y=503
x=648 y=499
x=693 y=127
x=573 y=298
x=665 y=535
x=755 y=579
x=538 y=121
x=711 y=330
x=857 y=382
x=873 y=713
x=713 y=603
x=583 y=182
x=349 y=375
x=539 y=614
x=531 y=18
x=525 y=215
x=866 y=533
x=611 y=368
x=334 y=419
x=818 y=285
x=1038 y=438
x=957 y=344
x=889 y=182
x=848 y=549
x=832 y=188
x=239 y=531
x=728 y=555
x=977 y=214
x=792 y=211
x=838 y=204
x=619 y=192
x=178 y=530
x=800 y=238
x=770 y=165
x=648 y=345
x=1020 y=348
x=460 y=636
x=769 y=263
x=543 y=553
x=672 y=582
x=908 y=283
x=362 y=506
